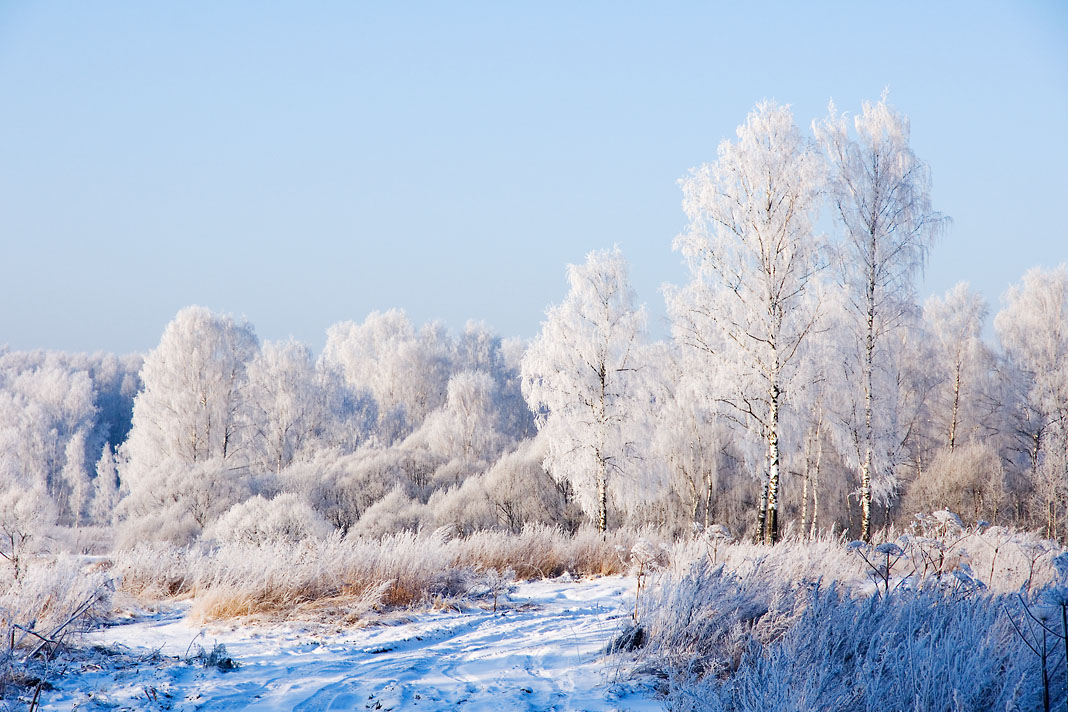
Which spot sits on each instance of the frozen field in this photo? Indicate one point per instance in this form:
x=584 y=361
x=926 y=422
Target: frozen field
x=541 y=650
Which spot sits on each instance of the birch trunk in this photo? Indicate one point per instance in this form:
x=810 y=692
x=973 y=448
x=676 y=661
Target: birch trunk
x=762 y=514
x=869 y=360
x=771 y=532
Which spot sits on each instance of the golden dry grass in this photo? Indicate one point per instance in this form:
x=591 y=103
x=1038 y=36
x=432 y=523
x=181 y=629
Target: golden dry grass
x=346 y=577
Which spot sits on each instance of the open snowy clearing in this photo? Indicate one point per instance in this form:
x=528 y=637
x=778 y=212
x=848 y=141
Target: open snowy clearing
x=542 y=650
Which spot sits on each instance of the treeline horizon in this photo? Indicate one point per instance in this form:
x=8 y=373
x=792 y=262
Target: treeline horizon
x=803 y=389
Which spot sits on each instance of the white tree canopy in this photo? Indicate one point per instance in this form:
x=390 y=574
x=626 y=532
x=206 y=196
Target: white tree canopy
x=285 y=403
x=405 y=370
x=881 y=195
x=1033 y=330
x=752 y=253
x=955 y=323
x=582 y=378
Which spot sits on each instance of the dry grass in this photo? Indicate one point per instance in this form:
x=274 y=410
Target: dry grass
x=546 y=552
x=344 y=578
x=54 y=600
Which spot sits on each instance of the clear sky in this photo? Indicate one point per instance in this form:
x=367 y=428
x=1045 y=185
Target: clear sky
x=304 y=163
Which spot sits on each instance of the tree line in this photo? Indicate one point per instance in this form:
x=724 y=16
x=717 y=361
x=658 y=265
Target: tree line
x=803 y=388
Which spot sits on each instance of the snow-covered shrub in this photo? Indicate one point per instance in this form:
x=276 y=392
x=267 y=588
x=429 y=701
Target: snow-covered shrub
x=25 y=515
x=454 y=473
x=1003 y=560
x=522 y=492
x=53 y=600
x=967 y=479
x=286 y=518
x=343 y=488
x=396 y=512
x=175 y=501
x=646 y=561
x=537 y=552
x=156 y=570
x=790 y=560
x=802 y=625
x=465 y=508
x=51 y=590
x=748 y=643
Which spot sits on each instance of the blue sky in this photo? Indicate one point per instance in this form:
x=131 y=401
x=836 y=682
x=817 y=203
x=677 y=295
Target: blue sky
x=303 y=163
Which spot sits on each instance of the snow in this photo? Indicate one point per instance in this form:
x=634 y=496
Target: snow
x=541 y=650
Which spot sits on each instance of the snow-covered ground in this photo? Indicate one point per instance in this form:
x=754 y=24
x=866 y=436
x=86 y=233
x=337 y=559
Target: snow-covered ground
x=541 y=650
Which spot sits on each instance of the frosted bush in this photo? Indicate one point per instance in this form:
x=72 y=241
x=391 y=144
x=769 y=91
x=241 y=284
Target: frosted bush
x=969 y=478
x=541 y=551
x=343 y=488
x=286 y=518
x=466 y=507
x=54 y=600
x=175 y=501
x=49 y=593
x=519 y=490
x=25 y=514
x=915 y=650
x=396 y=512
x=798 y=627
x=154 y=570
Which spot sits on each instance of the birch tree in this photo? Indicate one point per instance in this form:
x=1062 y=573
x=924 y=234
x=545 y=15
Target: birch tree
x=581 y=377
x=880 y=193
x=689 y=436
x=1033 y=331
x=467 y=427
x=194 y=388
x=76 y=477
x=752 y=253
x=955 y=322
x=285 y=403
x=405 y=370
x=105 y=488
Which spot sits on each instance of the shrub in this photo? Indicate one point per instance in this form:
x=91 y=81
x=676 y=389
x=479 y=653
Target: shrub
x=286 y=518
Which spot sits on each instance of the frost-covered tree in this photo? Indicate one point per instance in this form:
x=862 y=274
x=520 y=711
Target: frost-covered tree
x=467 y=426
x=1033 y=330
x=26 y=513
x=43 y=404
x=105 y=488
x=174 y=501
x=880 y=193
x=193 y=392
x=582 y=378
x=955 y=323
x=405 y=370
x=76 y=476
x=752 y=252
x=285 y=403
x=116 y=381
x=690 y=435
x=183 y=461
x=55 y=409
x=480 y=349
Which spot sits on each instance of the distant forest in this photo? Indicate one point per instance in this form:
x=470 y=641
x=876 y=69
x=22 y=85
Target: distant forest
x=804 y=388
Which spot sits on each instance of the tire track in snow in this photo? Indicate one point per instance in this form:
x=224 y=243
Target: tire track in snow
x=540 y=651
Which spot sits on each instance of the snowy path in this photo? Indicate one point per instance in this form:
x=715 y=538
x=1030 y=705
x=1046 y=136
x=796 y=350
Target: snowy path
x=541 y=652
